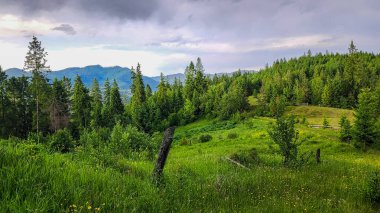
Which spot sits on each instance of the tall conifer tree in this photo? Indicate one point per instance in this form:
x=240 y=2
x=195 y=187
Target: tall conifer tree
x=81 y=108
x=35 y=61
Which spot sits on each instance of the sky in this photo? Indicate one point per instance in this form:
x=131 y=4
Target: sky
x=165 y=35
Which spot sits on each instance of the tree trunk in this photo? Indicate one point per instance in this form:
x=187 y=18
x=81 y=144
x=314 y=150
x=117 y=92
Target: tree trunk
x=163 y=154
x=318 y=156
x=38 y=135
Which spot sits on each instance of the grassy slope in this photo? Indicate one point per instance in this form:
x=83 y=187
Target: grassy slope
x=316 y=114
x=197 y=176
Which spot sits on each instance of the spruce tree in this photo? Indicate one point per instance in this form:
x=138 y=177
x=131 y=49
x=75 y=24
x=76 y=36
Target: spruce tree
x=138 y=100
x=117 y=107
x=81 y=108
x=189 y=81
x=35 y=61
x=3 y=103
x=177 y=95
x=106 y=110
x=200 y=86
x=148 y=91
x=96 y=105
x=345 y=129
x=138 y=87
x=59 y=108
x=364 y=127
x=162 y=98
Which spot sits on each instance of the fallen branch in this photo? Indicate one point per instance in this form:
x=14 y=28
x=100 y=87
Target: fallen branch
x=237 y=163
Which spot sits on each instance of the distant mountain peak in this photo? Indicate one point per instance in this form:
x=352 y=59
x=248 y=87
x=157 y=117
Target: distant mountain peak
x=122 y=75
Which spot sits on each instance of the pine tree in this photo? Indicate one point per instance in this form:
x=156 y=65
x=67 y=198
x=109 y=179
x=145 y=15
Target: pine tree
x=4 y=102
x=352 y=48
x=200 y=84
x=106 y=110
x=351 y=72
x=117 y=107
x=326 y=95
x=233 y=101
x=81 y=108
x=162 y=98
x=148 y=91
x=96 y=105
x=364 y=126
x=35 y=61
x=177 y=95
x=19 y=106
x=189 y=81
x=345 y=129
x=59 y=108
x=138 y=105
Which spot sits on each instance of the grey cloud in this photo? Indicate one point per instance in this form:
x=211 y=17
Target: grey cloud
x=66 y=28
x=122 y=9
x=174 y=25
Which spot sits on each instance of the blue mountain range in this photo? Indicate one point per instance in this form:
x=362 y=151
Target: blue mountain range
x=122 y=75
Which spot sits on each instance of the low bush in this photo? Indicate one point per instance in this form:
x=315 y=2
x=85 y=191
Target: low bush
x=185 y=142
x=232 y=135
x=127 y=140
x=62 y=141
x=205 y=138
x=373 y=188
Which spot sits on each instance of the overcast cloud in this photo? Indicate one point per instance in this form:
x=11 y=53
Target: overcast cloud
x=165 y=35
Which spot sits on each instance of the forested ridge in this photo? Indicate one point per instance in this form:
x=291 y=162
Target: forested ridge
x=34 y=104
x=322 y=79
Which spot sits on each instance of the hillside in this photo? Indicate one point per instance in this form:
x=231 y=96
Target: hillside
x=316 y=114
x=198 y=176
x=121 y=74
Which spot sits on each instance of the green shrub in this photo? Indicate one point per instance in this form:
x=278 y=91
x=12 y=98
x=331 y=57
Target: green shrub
x=185 y=142
x=373 y=188
x=205 y=138
x=303 y=120
x=92 y=139
x=62 y=141
x=232 y=135
x=325 y=123
x=285 y=136
x=127 y=140
x=34 y=137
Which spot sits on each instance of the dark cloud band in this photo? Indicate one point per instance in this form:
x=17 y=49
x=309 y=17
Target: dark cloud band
x=122 y=9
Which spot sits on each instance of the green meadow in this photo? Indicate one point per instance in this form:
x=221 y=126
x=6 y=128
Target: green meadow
x=213 y=166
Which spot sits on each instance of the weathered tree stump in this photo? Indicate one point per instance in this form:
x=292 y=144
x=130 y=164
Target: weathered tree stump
x=318 y=156
x=163 y=154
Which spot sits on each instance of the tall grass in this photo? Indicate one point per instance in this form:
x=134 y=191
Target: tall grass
x=197 y=177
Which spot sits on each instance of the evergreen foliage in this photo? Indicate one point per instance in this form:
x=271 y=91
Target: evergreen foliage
x=365 y=132
x=345 y=129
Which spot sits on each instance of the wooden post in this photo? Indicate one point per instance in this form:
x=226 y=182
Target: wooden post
x=163 y=154
x=318 y=156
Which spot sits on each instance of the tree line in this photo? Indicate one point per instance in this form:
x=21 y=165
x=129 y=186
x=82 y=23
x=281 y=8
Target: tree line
x=36 y=105
x=333 y=80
